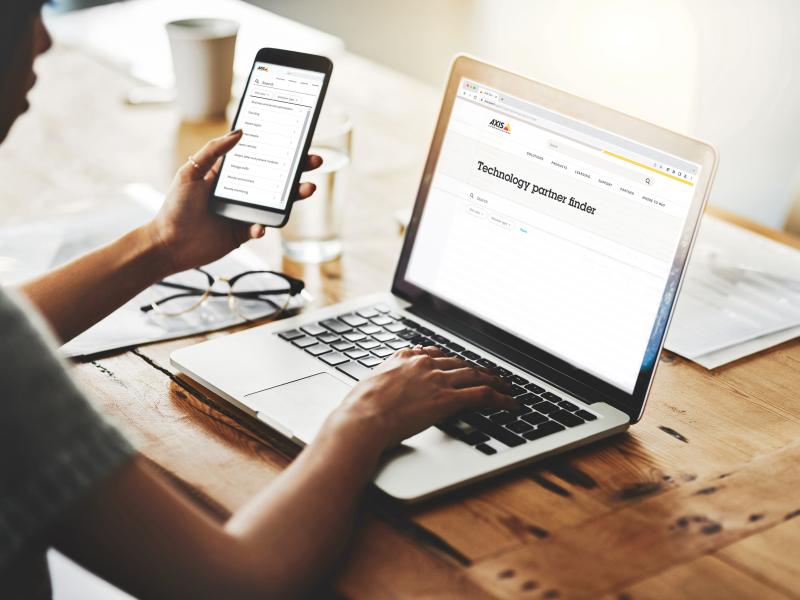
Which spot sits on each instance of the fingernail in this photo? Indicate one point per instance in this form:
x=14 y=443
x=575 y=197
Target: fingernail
x=235 y=133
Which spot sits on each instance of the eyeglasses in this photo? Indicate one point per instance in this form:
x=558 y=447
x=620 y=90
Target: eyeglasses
x=251 y=295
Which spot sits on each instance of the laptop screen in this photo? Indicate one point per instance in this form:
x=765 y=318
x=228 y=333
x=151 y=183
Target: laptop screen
x=558 y=232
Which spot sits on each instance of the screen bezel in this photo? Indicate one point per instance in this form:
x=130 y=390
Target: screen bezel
x=561 y=372
x=284 y=58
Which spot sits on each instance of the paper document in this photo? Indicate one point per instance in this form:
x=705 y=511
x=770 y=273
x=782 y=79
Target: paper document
x=31 y=249
x=741 y=294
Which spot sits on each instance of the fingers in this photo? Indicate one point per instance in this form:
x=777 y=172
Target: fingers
x=257 y=231
x=313 y=161
x=198 y=165
x=482 y=396
x=304 y=190
x=467 y=377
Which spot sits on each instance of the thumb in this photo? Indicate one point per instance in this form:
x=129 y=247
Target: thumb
x=257 y=231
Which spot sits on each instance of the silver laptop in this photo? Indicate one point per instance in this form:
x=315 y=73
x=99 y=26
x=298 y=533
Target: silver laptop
x=547 y=244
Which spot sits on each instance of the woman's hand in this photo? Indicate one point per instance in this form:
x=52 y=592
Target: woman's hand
x=413 y=390
x=186 y=231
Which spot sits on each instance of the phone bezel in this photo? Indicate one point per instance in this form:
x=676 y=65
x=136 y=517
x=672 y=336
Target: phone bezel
x=253 y=213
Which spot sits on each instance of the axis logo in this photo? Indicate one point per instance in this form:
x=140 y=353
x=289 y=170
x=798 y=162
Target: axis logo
x=503 y=126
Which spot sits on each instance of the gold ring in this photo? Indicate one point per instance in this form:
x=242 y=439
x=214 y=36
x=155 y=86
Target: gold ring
x=193 y=162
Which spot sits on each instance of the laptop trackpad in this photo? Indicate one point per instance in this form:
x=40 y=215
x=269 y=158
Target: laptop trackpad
x=300 y=406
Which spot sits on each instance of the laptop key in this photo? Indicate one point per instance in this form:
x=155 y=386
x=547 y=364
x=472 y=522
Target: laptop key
x=566 y=405
x=474 y=437
x=551 y=396
x=455 y=347
x=543 y=430
x=356 y=353
x=355 y=370
x=382 y=308
x=536 y=389
x=342 y=346
x=369 y=344
x=426 y=331
x=354 y=336
x=353 y=320
x=496 y=431
x=515 y=391
x=398 y=344
x=528 y=399
x=328 y=338
x=519 y=426
x=333 y=358
x=395 y=327
x=519 y=380
x=384 y=336
x=382 y=320
x=440 y=339
x=566 y=418
x=382 y=351
x=534 y=418
x=502 y=418
x=407 y=334
x=335 y=325
x=314 y=329
x=367 y=313
x=503 y=372
x=522 y=410
x=318 y=349
x=486 y=449
x=305 y=341
x=370 y=361
x=485 y=362
x=291 y=334
x=585 y=415
x=545 y=407
x=370 y=329
x=409 y=322
x=470 y=355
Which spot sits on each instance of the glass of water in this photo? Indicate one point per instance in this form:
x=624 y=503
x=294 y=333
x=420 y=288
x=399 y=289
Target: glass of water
x=313 y=232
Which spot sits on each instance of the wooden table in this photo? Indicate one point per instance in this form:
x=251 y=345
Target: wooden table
x=698 y=500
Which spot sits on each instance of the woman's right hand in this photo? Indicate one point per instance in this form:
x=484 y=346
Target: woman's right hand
x=413 y=390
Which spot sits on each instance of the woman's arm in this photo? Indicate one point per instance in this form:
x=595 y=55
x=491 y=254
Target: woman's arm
x=184 y=235
x=143 y=536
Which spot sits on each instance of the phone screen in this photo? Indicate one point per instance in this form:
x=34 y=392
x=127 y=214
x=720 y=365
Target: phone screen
x=275 y=117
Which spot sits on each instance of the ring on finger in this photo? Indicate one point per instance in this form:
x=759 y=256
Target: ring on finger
x=194 y=163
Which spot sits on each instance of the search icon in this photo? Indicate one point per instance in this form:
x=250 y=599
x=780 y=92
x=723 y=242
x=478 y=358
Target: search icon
x=471 y=195
x=648 y=181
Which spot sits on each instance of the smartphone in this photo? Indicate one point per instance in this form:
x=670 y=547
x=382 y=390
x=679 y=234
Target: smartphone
x=258 y=180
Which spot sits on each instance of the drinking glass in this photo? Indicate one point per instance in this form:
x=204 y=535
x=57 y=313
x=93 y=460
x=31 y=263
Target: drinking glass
x=313 y=233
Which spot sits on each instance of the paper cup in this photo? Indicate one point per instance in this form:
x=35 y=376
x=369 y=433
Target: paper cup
x=202 y=54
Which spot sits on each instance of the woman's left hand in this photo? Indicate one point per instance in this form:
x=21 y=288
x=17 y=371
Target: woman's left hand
x=188 y=233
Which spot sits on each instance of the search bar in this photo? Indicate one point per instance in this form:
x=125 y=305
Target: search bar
x=600 y=163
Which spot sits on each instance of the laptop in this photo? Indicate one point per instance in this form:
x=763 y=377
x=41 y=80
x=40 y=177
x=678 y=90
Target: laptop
x=547 y=244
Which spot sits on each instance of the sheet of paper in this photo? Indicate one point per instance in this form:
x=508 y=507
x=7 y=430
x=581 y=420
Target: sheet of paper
x=712 y=360
x=131 y=35
x=30 y=249
x=741 y=294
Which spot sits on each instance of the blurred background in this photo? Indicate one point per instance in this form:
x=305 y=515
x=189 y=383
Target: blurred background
x=722 y=70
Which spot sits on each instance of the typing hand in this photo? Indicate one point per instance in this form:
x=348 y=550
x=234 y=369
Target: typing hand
x=187 y=232
x=413 y=390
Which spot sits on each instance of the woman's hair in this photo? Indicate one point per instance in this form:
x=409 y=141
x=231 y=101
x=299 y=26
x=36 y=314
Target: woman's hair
x=15 y=16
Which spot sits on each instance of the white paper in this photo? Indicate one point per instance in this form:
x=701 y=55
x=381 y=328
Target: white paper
x=131 y=35
x=741 y=295
x=31 y=249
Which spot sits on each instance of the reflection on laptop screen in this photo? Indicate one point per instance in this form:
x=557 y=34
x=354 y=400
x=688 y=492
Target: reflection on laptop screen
x=558 y=232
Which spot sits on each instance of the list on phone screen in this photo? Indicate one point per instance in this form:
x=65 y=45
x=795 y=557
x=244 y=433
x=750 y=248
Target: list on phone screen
x=275 y=116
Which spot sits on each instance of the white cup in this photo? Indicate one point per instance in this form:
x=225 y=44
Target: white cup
x=202 y=53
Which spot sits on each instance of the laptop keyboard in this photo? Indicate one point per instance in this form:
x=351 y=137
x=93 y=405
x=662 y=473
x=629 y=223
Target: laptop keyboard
x=355 y=343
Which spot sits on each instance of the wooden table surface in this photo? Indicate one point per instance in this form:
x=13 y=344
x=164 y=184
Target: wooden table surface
x=697 y=500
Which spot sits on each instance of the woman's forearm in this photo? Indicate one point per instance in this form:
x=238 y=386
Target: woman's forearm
x=304 y=520
x=79 y=294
